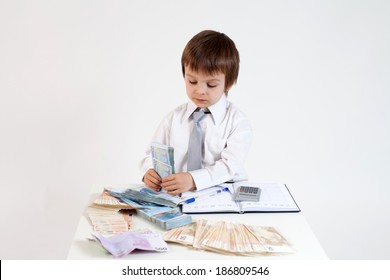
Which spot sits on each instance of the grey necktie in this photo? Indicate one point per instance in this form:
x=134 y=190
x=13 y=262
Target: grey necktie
x=195 y=143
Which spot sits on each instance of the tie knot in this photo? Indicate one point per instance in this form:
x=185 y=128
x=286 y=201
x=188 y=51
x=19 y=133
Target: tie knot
x=198 y=115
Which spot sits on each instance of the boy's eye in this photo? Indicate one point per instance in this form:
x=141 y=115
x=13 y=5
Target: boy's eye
x=192 y=82
x=211 y=85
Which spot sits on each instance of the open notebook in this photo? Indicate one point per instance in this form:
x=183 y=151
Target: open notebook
x=274 y=198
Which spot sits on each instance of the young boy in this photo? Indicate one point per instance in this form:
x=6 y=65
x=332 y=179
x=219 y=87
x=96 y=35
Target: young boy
x=210 y=64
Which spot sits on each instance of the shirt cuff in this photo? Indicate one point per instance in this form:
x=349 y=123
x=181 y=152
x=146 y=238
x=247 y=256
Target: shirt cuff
x=201 y=178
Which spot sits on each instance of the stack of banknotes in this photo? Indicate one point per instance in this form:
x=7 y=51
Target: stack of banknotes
x=229 y=238
x=144 y=195
x=163 y=160
x=165 y=217
x=145 y=202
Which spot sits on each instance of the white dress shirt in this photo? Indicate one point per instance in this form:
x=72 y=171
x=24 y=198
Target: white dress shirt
x=227 y=136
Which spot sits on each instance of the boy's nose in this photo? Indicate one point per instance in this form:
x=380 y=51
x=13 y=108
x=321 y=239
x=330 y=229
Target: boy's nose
x=201 y=90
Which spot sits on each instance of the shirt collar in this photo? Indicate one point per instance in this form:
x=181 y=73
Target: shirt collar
x=191 y=107
x=218 y=110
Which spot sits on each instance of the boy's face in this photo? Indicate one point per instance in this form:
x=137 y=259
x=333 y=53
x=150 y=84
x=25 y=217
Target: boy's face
x=204 y=89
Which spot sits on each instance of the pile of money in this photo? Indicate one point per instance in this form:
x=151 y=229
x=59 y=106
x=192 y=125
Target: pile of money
x=163 y=160
x=144 y=196
x=108 y=220
x=109 y=215
x=165 y=217
x=124 y=243
x=145 y=200
x=230 y=238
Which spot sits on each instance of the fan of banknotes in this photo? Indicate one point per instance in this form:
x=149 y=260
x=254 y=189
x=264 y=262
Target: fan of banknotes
x=163 y=160
x=230 y=238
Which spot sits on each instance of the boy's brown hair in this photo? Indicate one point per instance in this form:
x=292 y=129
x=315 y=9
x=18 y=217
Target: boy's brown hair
x=212 y=52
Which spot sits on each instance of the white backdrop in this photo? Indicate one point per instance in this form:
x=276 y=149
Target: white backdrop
x=84 y=84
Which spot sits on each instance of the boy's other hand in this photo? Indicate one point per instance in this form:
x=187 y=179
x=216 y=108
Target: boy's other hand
x=178 y=183
x=152 y=180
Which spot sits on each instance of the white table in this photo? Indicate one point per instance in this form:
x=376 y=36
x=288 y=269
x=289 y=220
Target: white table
x=292 y=226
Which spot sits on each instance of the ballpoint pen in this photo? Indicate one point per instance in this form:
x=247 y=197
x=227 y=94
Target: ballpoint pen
x=206 y=195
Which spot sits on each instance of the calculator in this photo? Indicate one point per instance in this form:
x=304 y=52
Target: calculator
x=247 y=193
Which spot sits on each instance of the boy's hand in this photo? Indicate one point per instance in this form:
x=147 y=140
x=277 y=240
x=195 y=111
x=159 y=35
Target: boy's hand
x=152 y=180
x=178 y=183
